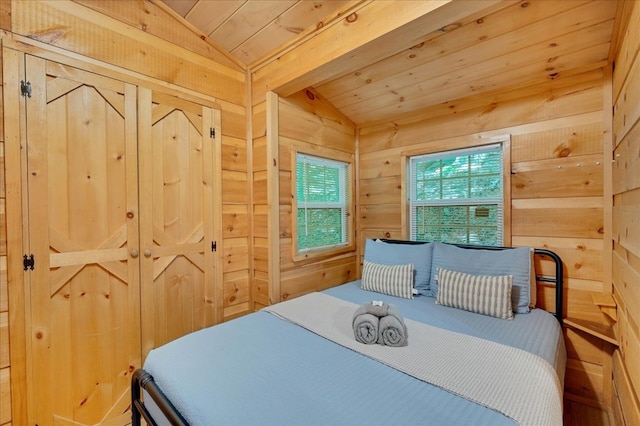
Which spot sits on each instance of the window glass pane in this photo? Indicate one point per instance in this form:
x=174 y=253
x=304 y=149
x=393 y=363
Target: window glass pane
x=458 y=224
x=454 y=189
x=486 y=186
x=456 y=196
x=453 y=167
x=321 y=197
x=319 y=227
x=318 y=183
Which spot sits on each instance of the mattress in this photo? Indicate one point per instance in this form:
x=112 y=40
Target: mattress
x=259 y=369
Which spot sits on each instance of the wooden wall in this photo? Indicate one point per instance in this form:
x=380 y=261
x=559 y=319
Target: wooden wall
x=280 y=125
x=5 y=388
x=626 y=211
x=310 y=124
x=141 y=42
x=264 y=164
x=556 y=189
x=306 y=121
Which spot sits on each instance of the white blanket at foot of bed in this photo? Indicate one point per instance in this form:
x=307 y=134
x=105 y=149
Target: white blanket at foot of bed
x=514 y=382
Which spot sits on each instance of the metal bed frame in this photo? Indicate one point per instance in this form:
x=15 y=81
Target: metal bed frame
x=142 y=380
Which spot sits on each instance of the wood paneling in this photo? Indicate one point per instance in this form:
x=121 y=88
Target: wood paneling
x=236 y=187
x=536 y=221
x=247 y=20
x=250 y=30
x=626 y=211
x=4 y=337
x=380 y=191
x=234 y=120
x=2 y=189
x=495 y=114
x=308 y=118
x=234 y=220
x=5 y=15
x=626 y=408
x=549 y=98
x=627 y=162
x=359 y=39
x=557 y=176
x=5 y=396
x=504 y=30
x=308 y=123
x=317 y=277
x=580 y=176
x=423 y=63
x=12 y=72
x=237 y=297
x=5 y=361
x=260 y=279
x=581 y=141
x=158 y=19
x=115 y=42
x=234 y=154
x=577 y=414
x=582 y=257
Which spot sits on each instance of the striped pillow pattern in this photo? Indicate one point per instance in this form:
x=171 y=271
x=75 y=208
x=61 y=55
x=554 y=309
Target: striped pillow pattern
x=394 y=280
x=483 y=294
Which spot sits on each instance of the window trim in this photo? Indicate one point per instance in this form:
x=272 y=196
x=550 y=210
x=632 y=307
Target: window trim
x=454 y=145
x=319 y=252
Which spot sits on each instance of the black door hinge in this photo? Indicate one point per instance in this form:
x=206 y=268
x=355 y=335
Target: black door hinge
x=28 y=262
x=212 y=133
x=214 y=246
x=25 y=88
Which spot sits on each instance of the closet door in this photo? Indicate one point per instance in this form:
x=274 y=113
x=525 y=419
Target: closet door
x=81 y=220
x=181 y=285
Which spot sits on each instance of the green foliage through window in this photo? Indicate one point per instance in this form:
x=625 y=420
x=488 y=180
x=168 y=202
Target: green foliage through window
x=457 y=196
x=321 y=198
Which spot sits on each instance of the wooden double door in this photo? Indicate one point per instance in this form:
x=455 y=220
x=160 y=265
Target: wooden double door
x=117 y=246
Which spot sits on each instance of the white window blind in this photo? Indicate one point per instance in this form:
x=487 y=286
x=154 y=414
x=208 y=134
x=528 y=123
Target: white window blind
x=457 y=196
x=321 y=199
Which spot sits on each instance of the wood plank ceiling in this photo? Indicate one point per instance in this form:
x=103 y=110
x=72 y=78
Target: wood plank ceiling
x=249 y=29
x=512 y=43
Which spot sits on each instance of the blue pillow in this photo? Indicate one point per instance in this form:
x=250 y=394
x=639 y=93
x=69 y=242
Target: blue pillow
x=515 y=261
x=398 y=254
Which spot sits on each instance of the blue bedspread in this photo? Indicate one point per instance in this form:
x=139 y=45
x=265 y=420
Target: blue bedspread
x=537 y=332
x=260 y=370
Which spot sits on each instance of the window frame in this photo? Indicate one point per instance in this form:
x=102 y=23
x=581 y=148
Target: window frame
x=349 y=187
x=504 y=140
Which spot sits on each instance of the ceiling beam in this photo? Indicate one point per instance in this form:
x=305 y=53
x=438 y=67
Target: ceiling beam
x=368 y=33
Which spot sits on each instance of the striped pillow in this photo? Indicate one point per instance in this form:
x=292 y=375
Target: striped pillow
x=483 y=294
x=394 y=280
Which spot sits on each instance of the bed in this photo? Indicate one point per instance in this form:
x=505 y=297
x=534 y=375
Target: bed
x=297 y=362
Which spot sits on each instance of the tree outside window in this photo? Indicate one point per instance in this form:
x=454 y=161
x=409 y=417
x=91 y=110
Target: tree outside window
x=457 y=196
x=322 y=203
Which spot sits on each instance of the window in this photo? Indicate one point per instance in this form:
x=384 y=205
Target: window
x=322 y=203
x=457 y=196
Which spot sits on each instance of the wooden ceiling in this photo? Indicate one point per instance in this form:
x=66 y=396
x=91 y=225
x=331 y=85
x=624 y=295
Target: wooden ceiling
x=249 y=29
x=510 y=43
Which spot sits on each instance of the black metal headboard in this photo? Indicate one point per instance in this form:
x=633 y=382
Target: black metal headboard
x=557 y=280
